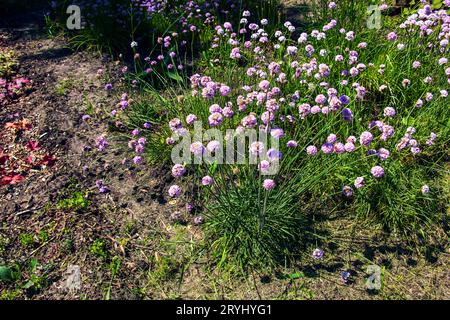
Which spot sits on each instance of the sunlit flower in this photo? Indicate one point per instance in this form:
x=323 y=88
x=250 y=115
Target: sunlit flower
x=175 y=191
x=268 y=184
x=347 y=191
x=317 y=253
x=207 y=180
x=366 y=138
x=359 y=182
x=178 y=170
x=377 y=171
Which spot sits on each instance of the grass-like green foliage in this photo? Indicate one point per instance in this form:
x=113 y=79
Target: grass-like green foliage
x=248 y=225
x=99 y=249
x=73 y=198
x=8 y=64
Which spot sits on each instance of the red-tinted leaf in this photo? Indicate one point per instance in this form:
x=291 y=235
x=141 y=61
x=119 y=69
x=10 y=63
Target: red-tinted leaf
x=11 y=179
x=3 y=159
x=33 y=145
x=29 y=159
x=21 y=125
x=48 y=160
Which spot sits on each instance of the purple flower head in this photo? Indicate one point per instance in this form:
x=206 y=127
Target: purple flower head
x=268 y=184
x=174 y=191
x=320 y=99
x=416 y=64
x=339 y=147
x=175 y=124
x=331 y=138
x=344 y=99
x=137 y=160
x=101 y=187
x=392 y=36
x=191 y=118
x=277 y=133
x=189 y=207
x=377 y=171
x=291 y=144
x=256 y=147
x=198 y=220
x=274 y=154
x=170 y=141
x=327 y=148
x=311 y=150
x=147 y=125
x=415 y=150
x=197 y=148
x=425 y=189
x=264 y=166
x=316 y=109
x=359 y=182
x=389 y=112
x=207 y=180
x=124 y=104
x=228 y=112
x=213 y=146
x=139 y=148
x=325 y=110
x=178 y=170
x=249 y=121
x=215 y=108
x=101 y=143
x=347 y=114
x=224 y=90
x=347 y=191
x=317 y=253
x=345 y=276
x=366 y=138
x=264 y=85
x=349 y=147
x=215 y=119
x=383 y=153
x=304 y=109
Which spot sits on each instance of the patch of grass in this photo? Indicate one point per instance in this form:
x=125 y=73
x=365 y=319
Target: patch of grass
x=10 y=294
x=8 y=63
x=174 y=254
x=114 y=268
x=43 y=236
x=74 y=198
x=77 y=201
x=68 y=245
x=99 y=249
x=27 y=239
x=63 y=86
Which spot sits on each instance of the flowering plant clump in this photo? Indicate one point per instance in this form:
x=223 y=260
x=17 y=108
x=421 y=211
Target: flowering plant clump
x=337 y=116
x=165 y=36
